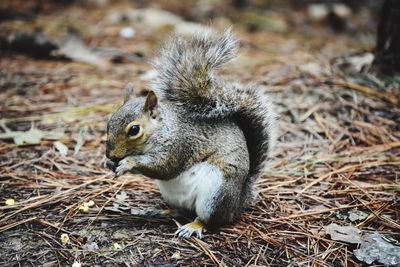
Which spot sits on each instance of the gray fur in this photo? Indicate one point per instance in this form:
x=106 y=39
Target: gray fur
x=201 y=118
x=187 y=78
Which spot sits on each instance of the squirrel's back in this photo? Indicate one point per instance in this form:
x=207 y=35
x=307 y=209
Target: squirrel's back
x=186 y=76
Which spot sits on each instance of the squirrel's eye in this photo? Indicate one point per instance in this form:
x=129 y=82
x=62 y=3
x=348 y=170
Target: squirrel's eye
x=134 y=130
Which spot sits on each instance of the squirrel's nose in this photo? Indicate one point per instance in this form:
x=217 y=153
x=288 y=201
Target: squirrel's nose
x=114 y=153
x=110 y=153
x=112 y=157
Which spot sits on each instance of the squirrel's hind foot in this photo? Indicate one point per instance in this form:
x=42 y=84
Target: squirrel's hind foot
x=194 y=228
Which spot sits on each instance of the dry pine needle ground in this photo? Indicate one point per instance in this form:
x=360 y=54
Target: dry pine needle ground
x=338 y=151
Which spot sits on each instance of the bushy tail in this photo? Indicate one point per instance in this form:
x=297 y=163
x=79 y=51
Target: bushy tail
x=186 y=76
x=186 y=67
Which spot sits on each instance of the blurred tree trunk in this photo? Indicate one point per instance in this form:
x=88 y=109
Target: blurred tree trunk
x=387 y=51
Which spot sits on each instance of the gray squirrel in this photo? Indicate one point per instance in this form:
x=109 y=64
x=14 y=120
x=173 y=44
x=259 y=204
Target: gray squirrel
x=203 y=139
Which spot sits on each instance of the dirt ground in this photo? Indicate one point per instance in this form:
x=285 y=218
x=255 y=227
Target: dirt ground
x=338 y=152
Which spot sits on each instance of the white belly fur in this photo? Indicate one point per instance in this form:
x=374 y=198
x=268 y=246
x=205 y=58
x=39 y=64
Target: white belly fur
x=193 y=189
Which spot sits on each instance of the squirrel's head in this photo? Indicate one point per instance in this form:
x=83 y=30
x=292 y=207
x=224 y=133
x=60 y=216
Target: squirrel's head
x=132 y=125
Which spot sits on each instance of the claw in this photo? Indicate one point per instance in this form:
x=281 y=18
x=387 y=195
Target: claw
x=194 y=228
x=124 y=166
x=120 y=171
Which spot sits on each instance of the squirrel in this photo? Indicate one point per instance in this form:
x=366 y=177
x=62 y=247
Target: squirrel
x=203 y=139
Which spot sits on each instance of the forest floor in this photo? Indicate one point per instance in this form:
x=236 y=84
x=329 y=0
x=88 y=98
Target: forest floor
x=337 y=160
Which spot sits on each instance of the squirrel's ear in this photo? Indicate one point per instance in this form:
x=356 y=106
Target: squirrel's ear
x=151 y=104
x=129 y=92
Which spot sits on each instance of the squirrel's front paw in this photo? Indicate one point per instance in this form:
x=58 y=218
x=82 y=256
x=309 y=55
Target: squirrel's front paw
x=125 y=165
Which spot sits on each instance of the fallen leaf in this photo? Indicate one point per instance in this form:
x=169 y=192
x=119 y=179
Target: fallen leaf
x=91 y=245
x=375 y=247
x=357 y=215
x=121 y=197
x=74 y=48
x=31 y=137
x=119 y=203
x=349 y=234
x=354 y=63
x=63 y=149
